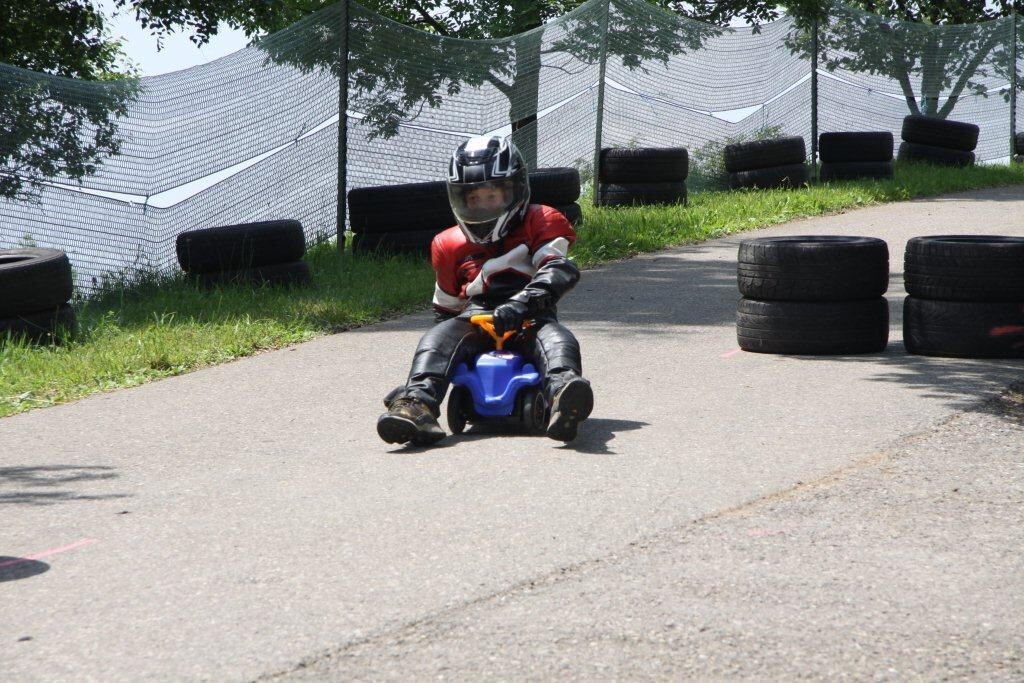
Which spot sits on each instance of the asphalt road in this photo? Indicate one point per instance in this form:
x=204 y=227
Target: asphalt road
x=245 y=521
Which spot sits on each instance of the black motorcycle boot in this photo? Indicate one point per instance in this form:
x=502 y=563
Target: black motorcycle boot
x=409 y=419
x=571 y=404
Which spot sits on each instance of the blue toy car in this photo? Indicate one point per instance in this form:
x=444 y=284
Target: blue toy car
x=501 y=387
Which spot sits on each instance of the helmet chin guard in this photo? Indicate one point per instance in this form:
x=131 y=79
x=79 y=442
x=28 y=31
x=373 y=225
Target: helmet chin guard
x=488 y=188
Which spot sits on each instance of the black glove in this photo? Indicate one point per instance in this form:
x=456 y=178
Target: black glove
x=508 y=317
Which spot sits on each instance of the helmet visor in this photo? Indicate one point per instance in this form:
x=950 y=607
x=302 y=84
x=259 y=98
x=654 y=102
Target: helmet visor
x=482 y=202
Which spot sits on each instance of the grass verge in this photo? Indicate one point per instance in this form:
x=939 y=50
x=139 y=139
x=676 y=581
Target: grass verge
x=157 y=326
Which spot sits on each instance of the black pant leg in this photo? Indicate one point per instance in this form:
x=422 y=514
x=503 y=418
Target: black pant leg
x=556 y=353
x=440 y=350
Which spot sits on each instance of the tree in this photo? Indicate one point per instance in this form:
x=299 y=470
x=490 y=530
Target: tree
x=48 y=128
x=948 y=46
x=389 y=88
x=951 y=47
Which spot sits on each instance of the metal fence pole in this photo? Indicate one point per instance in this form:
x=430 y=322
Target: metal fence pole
x=342 y=124
x=814 y=98
x=603 y=58
x=1013 y=87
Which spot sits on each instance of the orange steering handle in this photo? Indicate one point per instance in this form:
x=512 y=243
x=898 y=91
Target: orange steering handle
x=486 y=321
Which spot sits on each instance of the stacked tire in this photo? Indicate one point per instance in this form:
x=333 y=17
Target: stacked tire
x=644 y=175
x=35 y=288
x=965 y=296
x=813 y=295
x=1018 y=148
x=399 y=219
x=856 y=155
x=558 y=187
x=938 y=141
x=780 y=162
x=267 y=252
x=405 y=218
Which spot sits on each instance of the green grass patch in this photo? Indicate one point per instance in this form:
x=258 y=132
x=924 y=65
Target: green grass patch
x=147 y=327
x=610 y=234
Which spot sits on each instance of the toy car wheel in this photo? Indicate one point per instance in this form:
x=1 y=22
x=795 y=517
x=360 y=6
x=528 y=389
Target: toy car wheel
x=534 y=412
x=459 y=402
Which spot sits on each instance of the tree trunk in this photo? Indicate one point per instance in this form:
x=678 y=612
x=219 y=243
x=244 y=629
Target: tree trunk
x=526 y=84
x=933 y=67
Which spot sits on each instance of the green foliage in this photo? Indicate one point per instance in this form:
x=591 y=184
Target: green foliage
x=396 y=74
x=932 y=12
x=707 y=163
x=934 y=60
x=49 y=127
x=61 y=37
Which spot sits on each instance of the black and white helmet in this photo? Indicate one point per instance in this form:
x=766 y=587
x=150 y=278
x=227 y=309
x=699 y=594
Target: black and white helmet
x=488 y=187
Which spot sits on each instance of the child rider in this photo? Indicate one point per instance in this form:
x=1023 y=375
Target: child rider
x=507 y=256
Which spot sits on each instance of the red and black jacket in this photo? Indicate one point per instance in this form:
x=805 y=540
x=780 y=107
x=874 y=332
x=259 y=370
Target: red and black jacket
x=530 y=265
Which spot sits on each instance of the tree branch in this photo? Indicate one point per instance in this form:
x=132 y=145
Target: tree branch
x=501 y=85
x=903 y=76
x=563 y=69
x=965 y=74
x=427 y=19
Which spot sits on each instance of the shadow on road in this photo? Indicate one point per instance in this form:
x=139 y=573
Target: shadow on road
x=16 y=568
x=35 y=485
x=595 y=433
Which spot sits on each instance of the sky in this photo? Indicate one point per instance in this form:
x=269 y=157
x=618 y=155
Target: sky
x=177 y=52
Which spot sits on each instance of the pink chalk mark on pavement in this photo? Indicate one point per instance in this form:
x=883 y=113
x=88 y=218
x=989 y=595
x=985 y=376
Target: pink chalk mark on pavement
x=47 y=553
x=730 y=354
x=765 y=532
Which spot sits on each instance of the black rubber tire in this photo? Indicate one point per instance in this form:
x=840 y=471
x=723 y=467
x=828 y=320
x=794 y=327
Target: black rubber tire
x=1018 y=143
x=533 y=411
x=813 y=268
x=400 y=208
x=644 y=165
x=33 y=279
x=554 y=186
x=750 y=156
x=48 y=326
x=792 y=176
x=855 y=147
x=234 y=247
x=295 y=273
x=813 y=328
x=639 y=194
x=415 y=242
x=458 y=408
x=965 y=268
x=939 y=156
x=572 y=212
x=963 y=329
x=856 y=170
x=927 y=130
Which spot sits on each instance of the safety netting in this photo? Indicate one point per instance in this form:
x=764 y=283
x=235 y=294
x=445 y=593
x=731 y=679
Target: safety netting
x=111 y=172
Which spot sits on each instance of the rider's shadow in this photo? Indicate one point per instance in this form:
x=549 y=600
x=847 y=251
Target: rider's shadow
x=596 y=432
x=593 y=438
